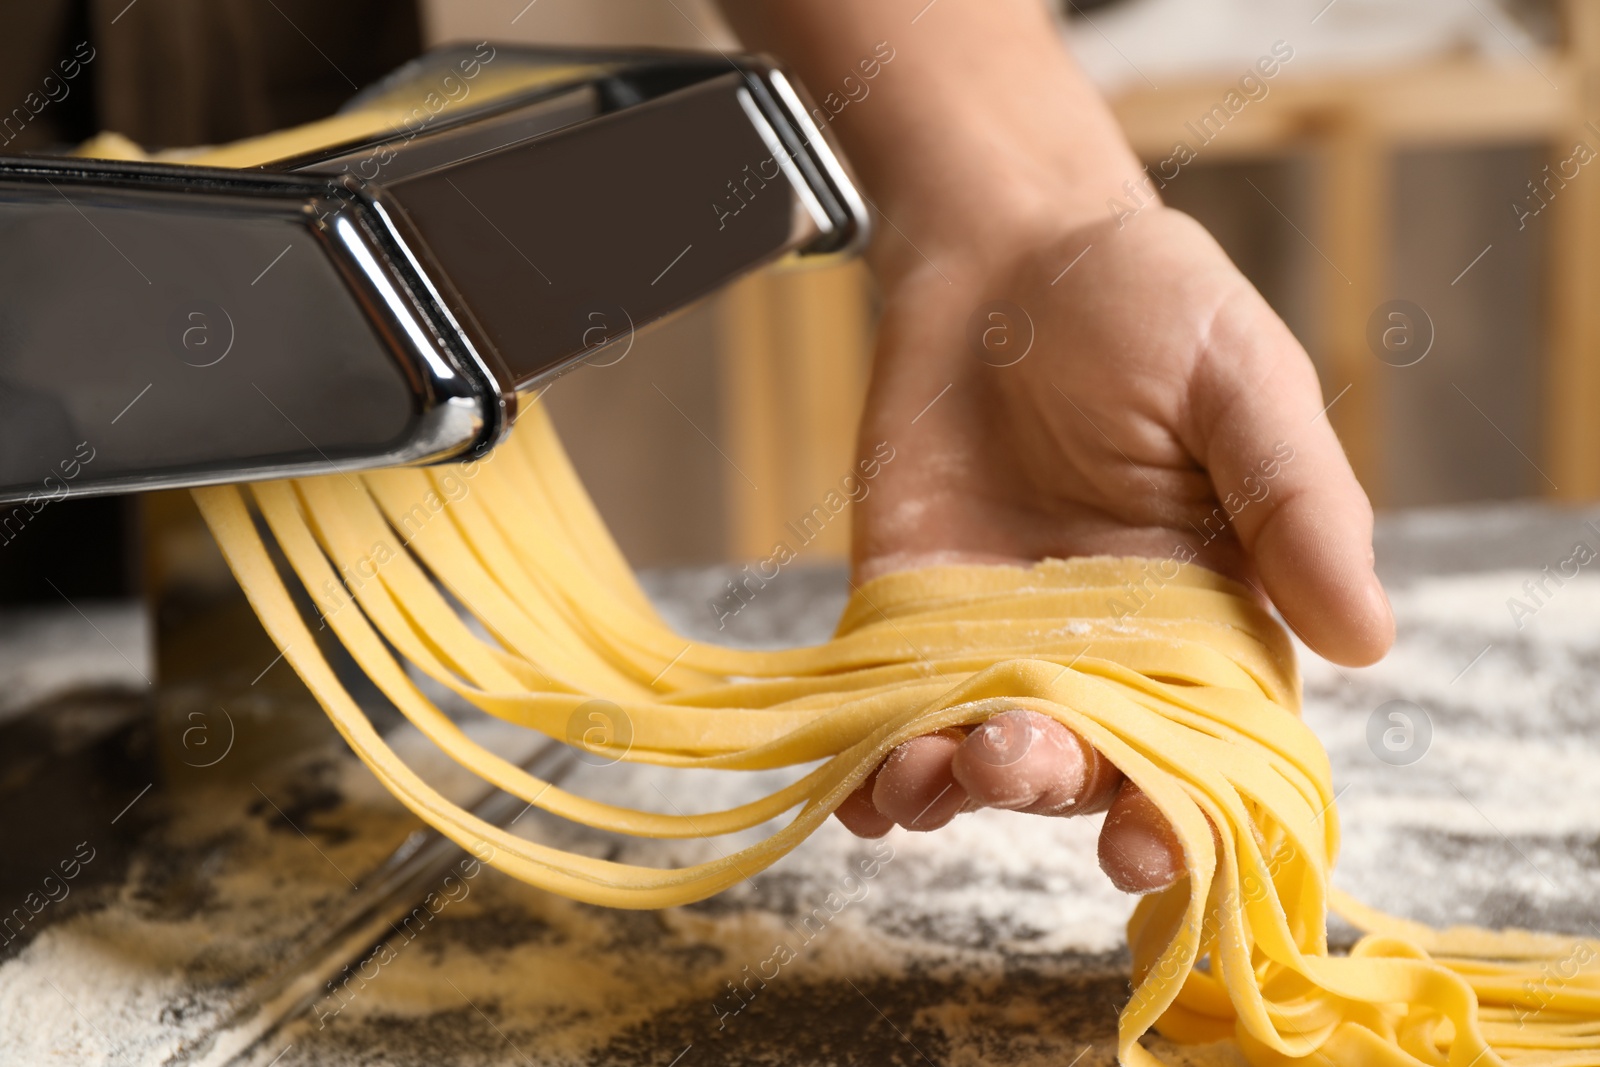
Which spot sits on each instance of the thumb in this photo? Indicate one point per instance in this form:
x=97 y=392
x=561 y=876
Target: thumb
x=1304 y=522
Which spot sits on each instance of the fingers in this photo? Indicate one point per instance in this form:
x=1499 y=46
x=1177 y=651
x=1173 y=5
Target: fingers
x=860 y=816
x=1138 y=849
x=915 y=786
x=1024 y=761
x=1299 y=512
x=1027 y=762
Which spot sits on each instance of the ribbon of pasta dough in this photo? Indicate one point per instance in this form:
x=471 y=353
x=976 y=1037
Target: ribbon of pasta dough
x=1170 y=671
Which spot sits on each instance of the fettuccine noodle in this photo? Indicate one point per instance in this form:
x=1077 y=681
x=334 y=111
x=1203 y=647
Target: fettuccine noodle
x=1170 y=671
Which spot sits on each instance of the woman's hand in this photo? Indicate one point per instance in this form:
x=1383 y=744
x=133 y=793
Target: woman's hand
x=1057 y=380
x=1103 y=390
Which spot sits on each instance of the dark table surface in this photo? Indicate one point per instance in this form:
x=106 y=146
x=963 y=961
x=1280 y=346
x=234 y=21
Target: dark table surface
x=197 y=873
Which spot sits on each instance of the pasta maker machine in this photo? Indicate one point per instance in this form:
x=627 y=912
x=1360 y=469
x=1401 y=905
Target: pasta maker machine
x=390 y=300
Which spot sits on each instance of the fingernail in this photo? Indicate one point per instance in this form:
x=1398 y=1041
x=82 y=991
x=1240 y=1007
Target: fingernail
x=1137 y=849
x=1015 y=761
x=915 y=787
x=1003 y=740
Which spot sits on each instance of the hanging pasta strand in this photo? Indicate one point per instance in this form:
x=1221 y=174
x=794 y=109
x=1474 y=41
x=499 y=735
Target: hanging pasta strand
x=1192 y=694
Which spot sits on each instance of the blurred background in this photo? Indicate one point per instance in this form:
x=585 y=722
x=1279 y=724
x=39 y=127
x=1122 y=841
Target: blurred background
x=1409 y=188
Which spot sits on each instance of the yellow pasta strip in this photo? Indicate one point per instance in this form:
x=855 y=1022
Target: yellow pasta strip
x=1172 y=672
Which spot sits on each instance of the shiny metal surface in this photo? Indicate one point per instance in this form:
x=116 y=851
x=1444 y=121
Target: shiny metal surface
x=555 y=243
x=852 y=224
x=385 y=301
x=176 y=326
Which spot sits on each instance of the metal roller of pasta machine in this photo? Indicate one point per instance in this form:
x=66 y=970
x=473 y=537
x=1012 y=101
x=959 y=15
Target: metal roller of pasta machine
x=388 y=301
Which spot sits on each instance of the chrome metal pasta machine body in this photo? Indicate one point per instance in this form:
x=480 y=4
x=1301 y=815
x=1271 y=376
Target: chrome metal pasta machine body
x=390 y=300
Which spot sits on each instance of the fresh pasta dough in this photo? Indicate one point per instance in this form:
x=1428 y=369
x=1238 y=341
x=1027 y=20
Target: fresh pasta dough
x=1172 y=672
